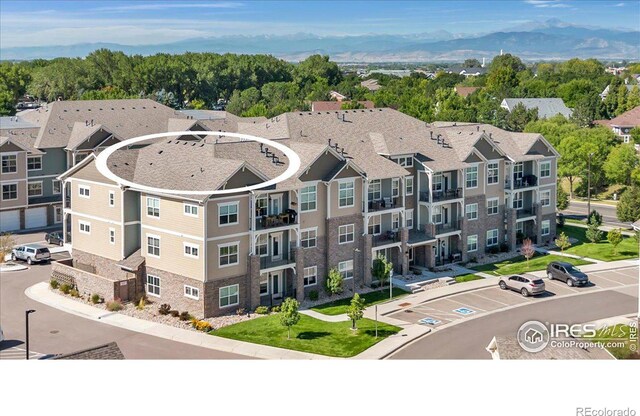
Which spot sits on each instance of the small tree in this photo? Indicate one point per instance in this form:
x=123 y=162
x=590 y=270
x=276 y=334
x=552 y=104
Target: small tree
x=289 y=315
x=596 y=216
x=6 y=245
x=562 y=198
x=355 y=311
x=593 y=233
x=381 y=269
x=563 y=241
x=528 y=250
x=615 y=237
x=334 y=282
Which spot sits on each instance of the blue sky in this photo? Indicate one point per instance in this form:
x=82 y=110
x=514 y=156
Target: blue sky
x=41 y=23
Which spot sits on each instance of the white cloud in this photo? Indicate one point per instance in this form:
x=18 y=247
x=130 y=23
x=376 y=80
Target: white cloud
x=619 y=5
x=547 y=3
x=164 y=6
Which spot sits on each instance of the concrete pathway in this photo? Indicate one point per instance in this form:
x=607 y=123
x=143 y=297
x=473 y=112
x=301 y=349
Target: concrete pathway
x=327 y=318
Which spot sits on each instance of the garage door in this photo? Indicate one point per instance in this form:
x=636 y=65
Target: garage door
x=9 y=220
x=36 y=217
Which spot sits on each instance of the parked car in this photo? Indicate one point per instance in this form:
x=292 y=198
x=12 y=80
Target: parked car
x=566 y=272
x=31 y=253
x=526 y=285
x=54 y=238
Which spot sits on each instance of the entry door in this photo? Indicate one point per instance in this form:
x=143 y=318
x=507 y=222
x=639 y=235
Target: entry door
x=276 y=204
x=445 y=215
x=446 y=182
x=276 y=284
x=276 y=246
x=444 y=249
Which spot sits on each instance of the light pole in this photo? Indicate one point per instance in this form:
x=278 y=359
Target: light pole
x=391 y=284
x=26 y=316
x=355 y=253
x=589 y=187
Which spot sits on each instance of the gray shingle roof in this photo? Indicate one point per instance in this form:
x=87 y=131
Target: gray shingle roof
x=109 y=351
x=547 y=107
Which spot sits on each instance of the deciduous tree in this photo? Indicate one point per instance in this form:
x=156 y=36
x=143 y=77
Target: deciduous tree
x=615 y=238
x=355 y=311
x=289 y=314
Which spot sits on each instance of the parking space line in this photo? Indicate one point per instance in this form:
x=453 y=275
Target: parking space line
x=492 y=300
x=562 y=285
x=609 y=280
x=634 y=278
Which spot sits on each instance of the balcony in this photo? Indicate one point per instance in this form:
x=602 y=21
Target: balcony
x=384 y=204
x=288 y=217
x=452 y=225
x=419 y=236
x=385 y=238
x=527 y=181
x=270 y=261
x=526 y=212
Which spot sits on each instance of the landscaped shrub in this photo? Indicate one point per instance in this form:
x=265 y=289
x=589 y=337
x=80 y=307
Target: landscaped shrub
x=240 y=311
x=174 y=313
x=141 y=304
x=74 y=293
x=494 y=249
x=65 y=288
x=185 y=316
x=313 y=295
x=275 y=309
x=201 y=325
x=262 y=310
x=54 y=284
x=95 y=298
x=114 y=305
x=504 y=247
x=164 y=309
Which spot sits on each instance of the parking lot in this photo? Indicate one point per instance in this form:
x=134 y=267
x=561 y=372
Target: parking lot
x=439 y=312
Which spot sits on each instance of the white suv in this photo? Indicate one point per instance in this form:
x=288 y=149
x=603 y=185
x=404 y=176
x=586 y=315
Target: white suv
x=31 y=253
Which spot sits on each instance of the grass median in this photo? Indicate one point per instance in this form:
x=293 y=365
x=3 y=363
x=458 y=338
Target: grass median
x=602 y=250
x=334 y=339
x=340 y=306
x=519 y=265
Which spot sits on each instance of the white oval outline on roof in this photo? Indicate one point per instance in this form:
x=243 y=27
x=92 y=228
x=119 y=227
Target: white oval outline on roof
x=101 y=163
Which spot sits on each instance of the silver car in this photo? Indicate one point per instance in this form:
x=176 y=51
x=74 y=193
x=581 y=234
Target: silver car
x=526 y=285
x=31 y=253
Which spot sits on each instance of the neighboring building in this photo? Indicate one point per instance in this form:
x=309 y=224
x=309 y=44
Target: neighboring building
x=467 y=72
x=109 y=351
x=401 y=73
x=605 y=92
x=336 y=105
x=547 y=107
x=335 y=95
x=615 y=70
x=371 y=182
x=465 y=91
x=370 y=84
x=623 y=124
x=508 y=348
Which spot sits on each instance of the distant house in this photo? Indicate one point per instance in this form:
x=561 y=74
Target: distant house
x=465 y=91
x=336 y=105
x=337 y=96
x=507 y=348
x=623 y=124
x=547 y=107
x=467 y=72
x=605 y=92
x=370 y=84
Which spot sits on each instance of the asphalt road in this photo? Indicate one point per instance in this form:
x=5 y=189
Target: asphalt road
x=469 y=339
x=578 y=210
x=56 y=332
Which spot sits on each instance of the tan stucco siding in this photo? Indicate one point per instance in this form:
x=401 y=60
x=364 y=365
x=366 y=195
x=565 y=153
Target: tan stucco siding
x=214 y=271
x=90 y=172
x=21 y=188
x=172 y=216
x=318 y=217
x=215 y=230
x=172 y=257
x=21 y=167
x=337 y=211
x=97 y=241
x=97 y=204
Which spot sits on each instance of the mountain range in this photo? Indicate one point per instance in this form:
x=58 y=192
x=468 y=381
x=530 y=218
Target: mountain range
x=549 y=40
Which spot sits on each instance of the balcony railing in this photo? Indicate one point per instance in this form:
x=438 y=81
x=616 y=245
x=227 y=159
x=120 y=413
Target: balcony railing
x=288 y=257
x=418 y=236
x=453 y=193
x=526 y=212
x=387 y=237
x=526 y=181
x=452 y=225
x=385 y=204
x=288 y=217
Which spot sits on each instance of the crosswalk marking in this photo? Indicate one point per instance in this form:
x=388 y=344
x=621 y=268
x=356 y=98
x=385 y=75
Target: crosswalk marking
x=17 y=353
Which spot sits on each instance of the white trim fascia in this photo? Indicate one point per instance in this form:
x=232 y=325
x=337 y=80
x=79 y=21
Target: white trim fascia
x=170 y=232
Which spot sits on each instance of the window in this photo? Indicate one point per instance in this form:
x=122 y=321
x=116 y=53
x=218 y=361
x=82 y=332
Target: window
x=153 y=207
x=310 y=275
x=374 y=225
x=375 y=190
x=545 y=169
x=492 y=237
x=34 y=188
x=545 y=198
x=9 y=164
x=437 y=182
x=58 y=215
x=395 y=220
x=191 y=292
x=228 y=254
x=190 y=210
x=112 y=199
x=261 y=245
x=153 y=245
x=518 y=170
x=191 y=250
x=472 y=243
x=229 y=296
x=228 y=213
x=112 y=235
x=345 y=233
x=153 y=285
x=308 y=198
x=264 y=287
x=409 y=218
x=34 y=163
x=57 y=187
x=408 y=185
x=472 y=211
x=84 y=191
x=405 y=161
x=346 y=269
x=517 y=200
x=520 y=228
x=436 y=216
x=308 y=237
x=345 y=194
x=492 y=206
x=395 y=187
x=9 y=191
x=546 y=227
x=492 y=173
x=261 y=206
x=472 y=177
x=85 y=227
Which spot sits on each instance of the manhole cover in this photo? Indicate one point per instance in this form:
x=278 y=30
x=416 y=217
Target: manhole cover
x=404 y=304
x=55 y=331
x=408 y=311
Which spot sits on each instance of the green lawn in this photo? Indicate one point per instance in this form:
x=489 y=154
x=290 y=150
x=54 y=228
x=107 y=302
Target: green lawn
x=628 y=248
x=338 y=307
x=335 y=339
x=518 y=265
x=619 y=332
x=467 y=278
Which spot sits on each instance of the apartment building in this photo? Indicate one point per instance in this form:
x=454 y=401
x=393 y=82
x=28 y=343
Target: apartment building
x=371 y=182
